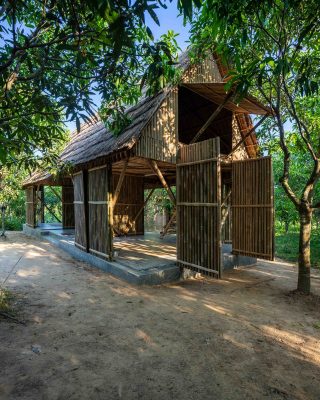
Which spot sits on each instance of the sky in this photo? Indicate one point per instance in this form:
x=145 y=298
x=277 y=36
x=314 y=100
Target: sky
x=169 y=19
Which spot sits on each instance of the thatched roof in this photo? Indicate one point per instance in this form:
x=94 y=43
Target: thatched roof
x=95 y=141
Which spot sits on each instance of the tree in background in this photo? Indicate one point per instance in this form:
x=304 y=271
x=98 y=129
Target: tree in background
x=56 y=55
x=273 y=49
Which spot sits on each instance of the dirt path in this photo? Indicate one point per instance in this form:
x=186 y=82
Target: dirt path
x=91 y=336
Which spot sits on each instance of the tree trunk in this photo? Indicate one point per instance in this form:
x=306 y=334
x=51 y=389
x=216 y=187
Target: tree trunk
x=305 y=215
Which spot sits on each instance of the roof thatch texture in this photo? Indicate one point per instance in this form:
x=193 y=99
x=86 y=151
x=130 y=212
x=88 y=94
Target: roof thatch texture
x=94 y=141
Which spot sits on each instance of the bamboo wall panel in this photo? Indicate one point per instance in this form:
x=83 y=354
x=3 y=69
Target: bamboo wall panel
x=80 y=215
x=205 y=72
x=98 y=189
x=67 y=207
x=252 y=208
x=31 y=206
x=159 y=138
x=130 y=201
x=198 y=207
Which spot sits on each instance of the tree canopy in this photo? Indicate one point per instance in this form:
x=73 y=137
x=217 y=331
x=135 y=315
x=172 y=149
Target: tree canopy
x=272 y=47
x=56 y=56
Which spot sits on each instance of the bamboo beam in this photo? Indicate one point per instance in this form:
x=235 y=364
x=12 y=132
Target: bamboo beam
x=119 y=184
x=56 y=194
x=226 y=198
x=165 y=230
x=157 y=171
x=248 y=134
x=212 y=117
x=224 y=217
x=51 y=212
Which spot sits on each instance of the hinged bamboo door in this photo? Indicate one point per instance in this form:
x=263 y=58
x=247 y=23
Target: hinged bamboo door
x=198 y=207
x=253 y=208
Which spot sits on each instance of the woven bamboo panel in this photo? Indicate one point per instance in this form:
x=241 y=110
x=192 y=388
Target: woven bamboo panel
x=80 y=216
x=160 y=136
x=67 y=207
x=130 y=201
x=252 y=208
x=31 y=206
x=198 y=207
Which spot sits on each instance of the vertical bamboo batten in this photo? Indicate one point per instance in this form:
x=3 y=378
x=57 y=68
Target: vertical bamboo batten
x=198 y=207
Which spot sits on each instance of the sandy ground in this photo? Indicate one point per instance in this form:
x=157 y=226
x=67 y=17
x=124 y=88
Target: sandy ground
x=91 y=336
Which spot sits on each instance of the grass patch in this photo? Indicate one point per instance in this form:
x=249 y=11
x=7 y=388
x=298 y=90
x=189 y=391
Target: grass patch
x=5 y=301
x=287 y=245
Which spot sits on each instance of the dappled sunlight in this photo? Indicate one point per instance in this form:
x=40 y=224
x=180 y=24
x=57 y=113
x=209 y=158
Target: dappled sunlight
x=243 y=324
x=145 y=337
x=64 y=295
x=296 y=342
x=188 y=297
x=37 y=319
x=218 y=309
x=235 y=342
x=25 y=273
x=74 y=360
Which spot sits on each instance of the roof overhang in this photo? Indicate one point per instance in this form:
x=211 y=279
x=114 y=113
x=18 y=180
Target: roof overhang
x=216 y=93
x=46 y=179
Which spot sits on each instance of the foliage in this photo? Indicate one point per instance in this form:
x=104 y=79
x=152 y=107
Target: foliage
x=158 y=203
x=287 y=245
x=53 y=209
x=5 y=300
x=56 y=56
x=286 y=212
x=272 y=47
x=12 y=195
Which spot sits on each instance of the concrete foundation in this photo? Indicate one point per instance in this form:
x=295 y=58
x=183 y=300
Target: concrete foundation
x=140 y=260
